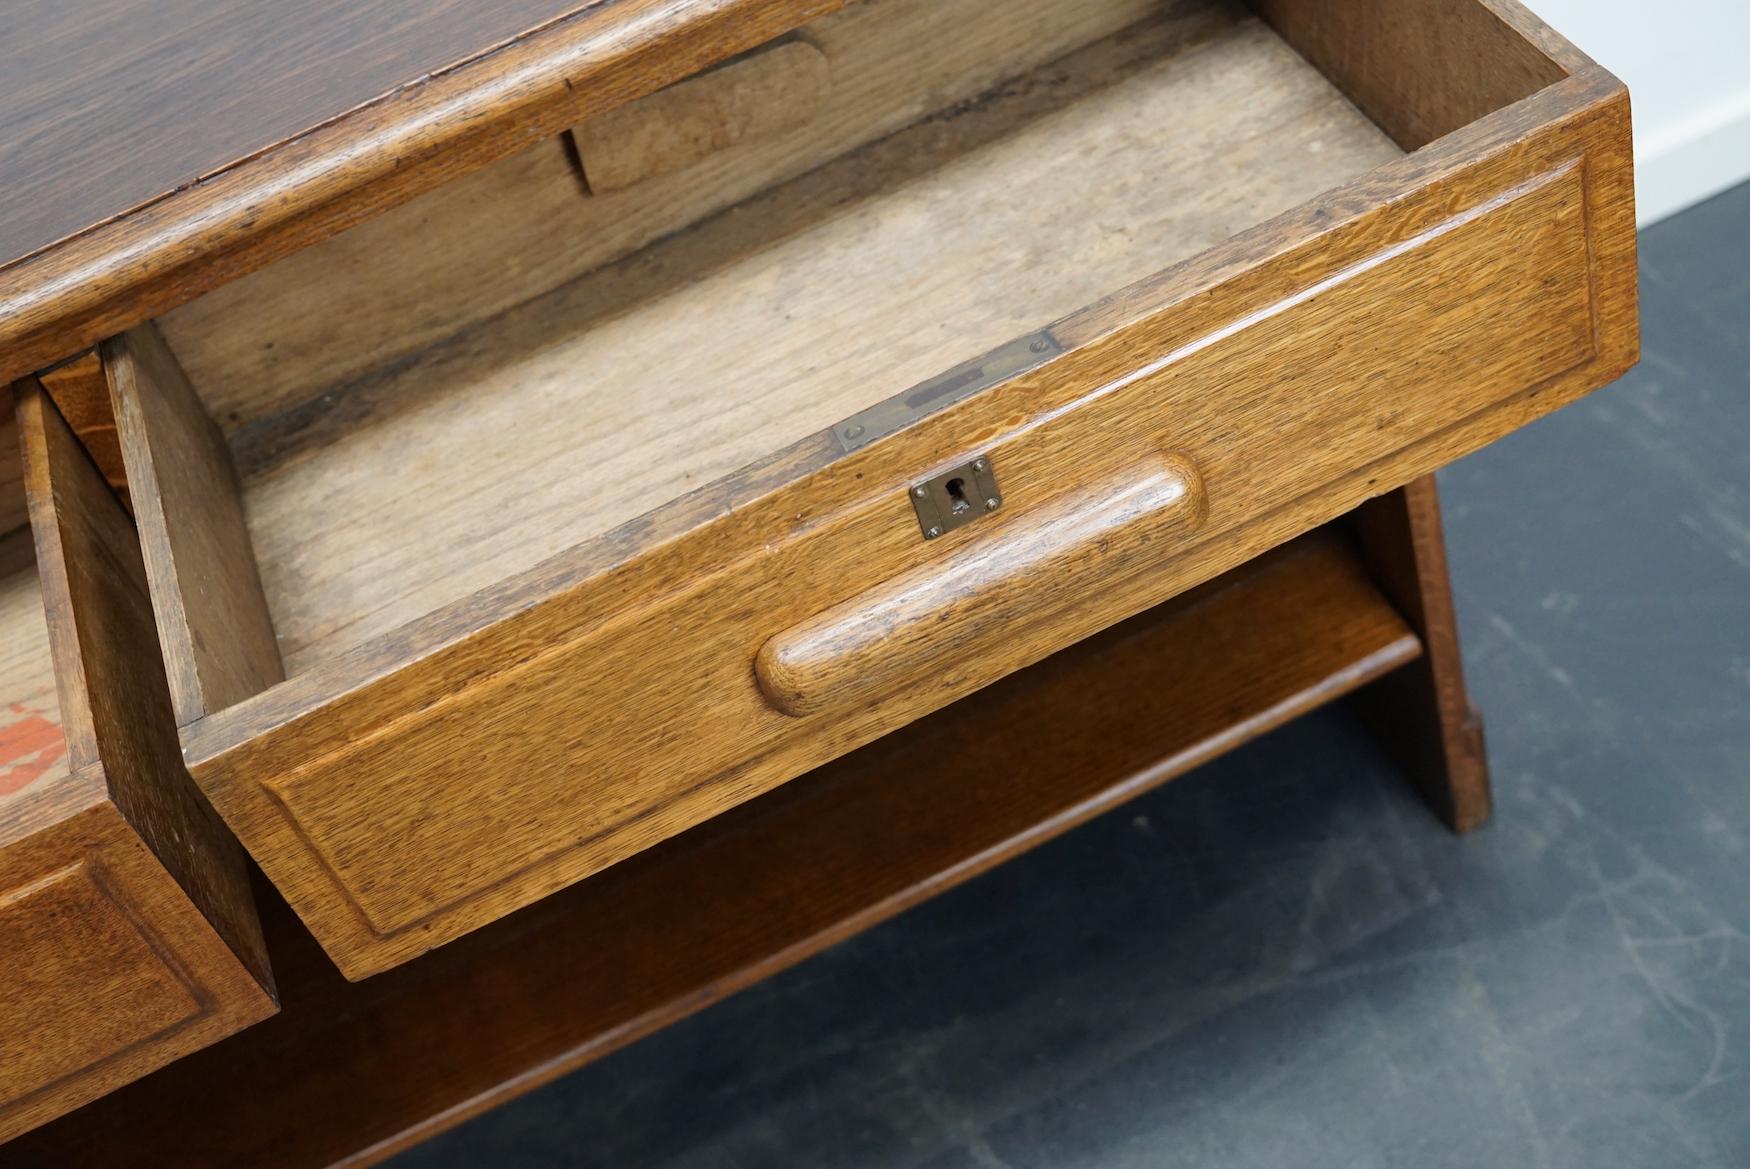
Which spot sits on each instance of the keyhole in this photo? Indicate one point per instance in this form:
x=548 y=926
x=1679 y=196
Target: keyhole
x=957 y=501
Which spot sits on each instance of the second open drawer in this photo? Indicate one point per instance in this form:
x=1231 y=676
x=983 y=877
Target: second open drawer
x=566 y=519
x=128 y=931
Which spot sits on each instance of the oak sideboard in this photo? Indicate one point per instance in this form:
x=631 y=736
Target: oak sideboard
x=519 y=519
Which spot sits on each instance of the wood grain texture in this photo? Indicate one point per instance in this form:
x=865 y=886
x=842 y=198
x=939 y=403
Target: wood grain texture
x=1487 y=280
x=287 y=339
x=112 y=104
x=352 y=1072
x=103 y=640
x=564 y=419
x=934 y=617
x=33 y=747
x=92 y=984
x=775 y=88
x=1424 y=68
x=125 y=914
x=1424 y=710
x=13 y=513
x=426 y=129
x=111 y=971
x=81 y=394
x=213 y=623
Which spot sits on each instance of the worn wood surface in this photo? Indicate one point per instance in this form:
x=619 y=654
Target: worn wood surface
x=427 y=128
x=213 y=624
x=291 y=333
x=561 y=420
x=1487 y=280
x=354 y=1071
x=1423 y=68
x=775 y=88
x=1424 y=710
x=125 y=915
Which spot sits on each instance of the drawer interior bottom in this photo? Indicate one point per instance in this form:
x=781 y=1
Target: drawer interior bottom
x=33 y=749
x=556 y=422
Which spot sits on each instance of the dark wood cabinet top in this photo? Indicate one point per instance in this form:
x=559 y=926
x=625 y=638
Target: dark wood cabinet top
x=151 y=150
x=106 y=105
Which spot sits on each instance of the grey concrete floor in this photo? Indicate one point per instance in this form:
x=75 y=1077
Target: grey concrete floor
x=1281 y=959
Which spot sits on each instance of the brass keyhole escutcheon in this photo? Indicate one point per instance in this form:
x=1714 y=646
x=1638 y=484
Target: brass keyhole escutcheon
x=956 y=497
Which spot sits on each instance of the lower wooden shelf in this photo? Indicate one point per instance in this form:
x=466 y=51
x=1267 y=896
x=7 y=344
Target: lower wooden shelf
x=351 y=1072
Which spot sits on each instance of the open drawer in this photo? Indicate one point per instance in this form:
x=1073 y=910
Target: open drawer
x=532 y=523
x=127 y=932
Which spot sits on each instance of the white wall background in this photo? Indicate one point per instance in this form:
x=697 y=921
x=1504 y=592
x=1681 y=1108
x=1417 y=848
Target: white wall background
x=1687 y=65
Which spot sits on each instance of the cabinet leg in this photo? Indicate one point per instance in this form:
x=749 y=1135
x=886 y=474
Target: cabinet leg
x=1422 y=709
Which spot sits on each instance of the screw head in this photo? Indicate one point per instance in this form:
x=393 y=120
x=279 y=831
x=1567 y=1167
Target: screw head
x=855 y=430
x=932 y=533
x=1040 y=345
x=919 y=492
x=978 y=464
x=992 y=503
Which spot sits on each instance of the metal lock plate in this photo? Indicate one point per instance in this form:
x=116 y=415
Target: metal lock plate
x=956 y=497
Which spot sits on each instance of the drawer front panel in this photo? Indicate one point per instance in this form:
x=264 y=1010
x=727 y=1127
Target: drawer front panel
x=111 y=971
x=580 y=730
x=90 y=989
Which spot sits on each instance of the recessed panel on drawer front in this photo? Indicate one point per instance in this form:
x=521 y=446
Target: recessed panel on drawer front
x=1284 y=377
x=127 y=930
x=134 y=995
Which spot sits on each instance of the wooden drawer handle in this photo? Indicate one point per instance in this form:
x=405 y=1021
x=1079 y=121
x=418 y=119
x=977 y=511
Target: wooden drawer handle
x=760 y=95
x=1007 y=583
